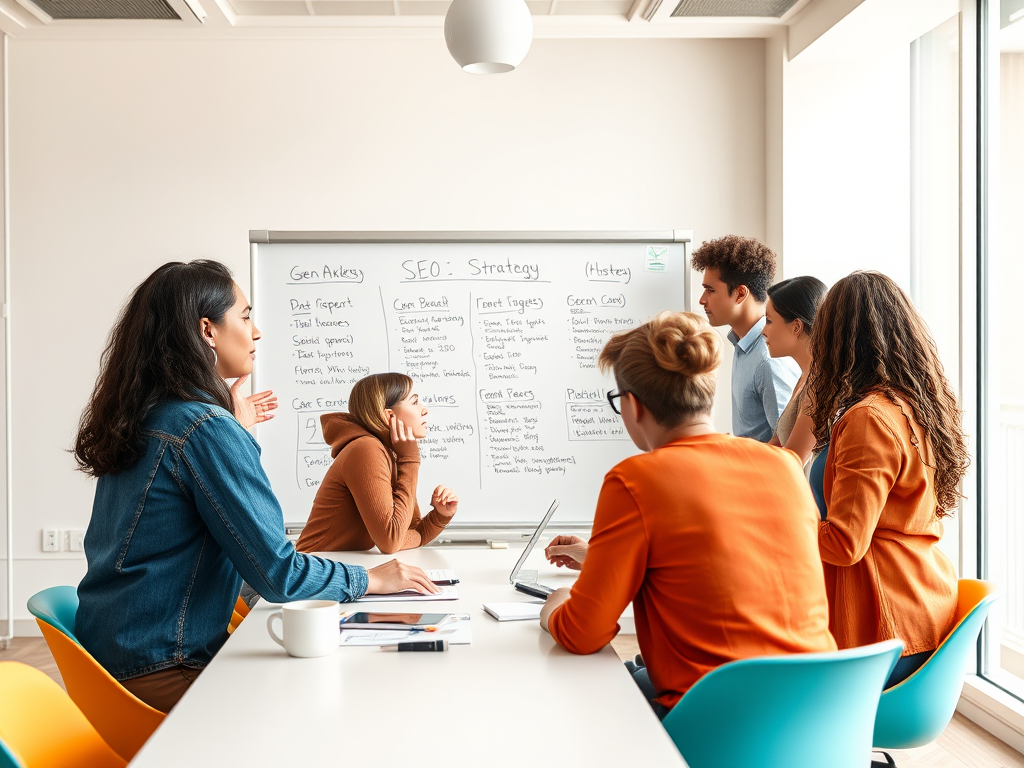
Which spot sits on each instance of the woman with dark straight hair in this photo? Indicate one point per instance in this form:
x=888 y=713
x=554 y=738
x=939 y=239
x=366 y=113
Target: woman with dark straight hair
x=896 y=455
x=789 y=318
x=368 y=496
x=183 y=510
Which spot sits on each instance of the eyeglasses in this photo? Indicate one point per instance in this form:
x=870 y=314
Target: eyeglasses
x=612 y=397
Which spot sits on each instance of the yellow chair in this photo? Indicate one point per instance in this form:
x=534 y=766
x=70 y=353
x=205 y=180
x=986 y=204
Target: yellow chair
x=40 y=727
x=124 y=721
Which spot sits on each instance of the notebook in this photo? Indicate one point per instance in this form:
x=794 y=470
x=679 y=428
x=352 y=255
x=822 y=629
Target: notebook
x=514 y=611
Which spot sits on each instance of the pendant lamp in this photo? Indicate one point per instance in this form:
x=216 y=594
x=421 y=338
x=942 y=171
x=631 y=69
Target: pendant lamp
x=487 y=37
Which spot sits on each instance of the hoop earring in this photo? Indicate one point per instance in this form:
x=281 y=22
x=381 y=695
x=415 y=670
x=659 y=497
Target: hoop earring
x=214 y=351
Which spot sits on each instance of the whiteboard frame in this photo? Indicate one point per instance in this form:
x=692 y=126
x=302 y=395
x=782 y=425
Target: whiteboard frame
x=457 y=532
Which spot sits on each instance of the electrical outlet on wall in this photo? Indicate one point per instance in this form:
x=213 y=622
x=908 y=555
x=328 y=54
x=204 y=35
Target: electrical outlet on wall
x=76 y=539
x=52 y=539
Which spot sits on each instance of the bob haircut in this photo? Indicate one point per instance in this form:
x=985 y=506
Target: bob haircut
x=371 y=395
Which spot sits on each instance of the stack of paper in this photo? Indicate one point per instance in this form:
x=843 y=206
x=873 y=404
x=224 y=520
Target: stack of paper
x=457 y=632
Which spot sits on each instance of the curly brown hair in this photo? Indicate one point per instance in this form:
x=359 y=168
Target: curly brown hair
x=868 y=337
x=739 y=261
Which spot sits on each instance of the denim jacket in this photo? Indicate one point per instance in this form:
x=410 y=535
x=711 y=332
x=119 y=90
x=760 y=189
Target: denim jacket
x=172 y=537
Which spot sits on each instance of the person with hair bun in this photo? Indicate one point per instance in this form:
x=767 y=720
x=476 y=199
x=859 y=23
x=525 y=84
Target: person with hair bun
x=710 y=582
x=789 y=318
x=368 y=497
x=896 y=454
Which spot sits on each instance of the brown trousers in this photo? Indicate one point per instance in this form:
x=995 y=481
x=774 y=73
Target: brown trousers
x=161 y=690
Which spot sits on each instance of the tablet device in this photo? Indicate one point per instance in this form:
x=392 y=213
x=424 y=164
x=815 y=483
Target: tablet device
x=382 y=620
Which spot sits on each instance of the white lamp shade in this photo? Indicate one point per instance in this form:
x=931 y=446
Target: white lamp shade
x=487 y=37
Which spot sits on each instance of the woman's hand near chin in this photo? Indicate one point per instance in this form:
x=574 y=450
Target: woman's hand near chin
x=444 y=501
x=403 y=441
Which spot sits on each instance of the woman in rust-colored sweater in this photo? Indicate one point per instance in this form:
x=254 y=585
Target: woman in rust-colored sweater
x=368 y=496
x=712 y=537
x=896 y=454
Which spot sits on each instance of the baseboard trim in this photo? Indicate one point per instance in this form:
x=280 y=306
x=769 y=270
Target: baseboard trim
x=24 y=627
x=993 y=709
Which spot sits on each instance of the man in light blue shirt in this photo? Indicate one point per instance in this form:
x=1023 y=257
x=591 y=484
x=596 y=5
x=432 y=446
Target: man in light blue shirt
x=737 y=273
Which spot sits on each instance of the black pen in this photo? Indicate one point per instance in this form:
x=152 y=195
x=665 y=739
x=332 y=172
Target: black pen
x=417 y=645
x=446 y=582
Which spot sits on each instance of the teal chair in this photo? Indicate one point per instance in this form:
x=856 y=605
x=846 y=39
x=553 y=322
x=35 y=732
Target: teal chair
x=58 y=607
x=917 y=711
x=805 y=710
x=8 y=760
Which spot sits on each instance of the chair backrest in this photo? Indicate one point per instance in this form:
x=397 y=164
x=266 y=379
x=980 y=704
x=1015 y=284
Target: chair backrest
x=40 y=727
x=7 y=758
x=917 y=711
x=238 y=615
x=803 y=710
x=57 y=606
x=124 y=721
x=241 y=608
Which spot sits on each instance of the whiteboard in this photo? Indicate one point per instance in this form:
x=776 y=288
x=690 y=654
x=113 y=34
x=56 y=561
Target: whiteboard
x=499 y=331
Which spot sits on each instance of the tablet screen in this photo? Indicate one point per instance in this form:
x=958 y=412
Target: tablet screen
x=407 y=619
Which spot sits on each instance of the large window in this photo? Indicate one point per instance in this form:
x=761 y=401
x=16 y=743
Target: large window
x=935 y=205
x=1001 y=365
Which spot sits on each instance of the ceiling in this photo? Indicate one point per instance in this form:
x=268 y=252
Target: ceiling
x=552 y=18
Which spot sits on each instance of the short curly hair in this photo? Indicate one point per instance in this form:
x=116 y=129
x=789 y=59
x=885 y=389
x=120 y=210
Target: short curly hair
x=739 y=261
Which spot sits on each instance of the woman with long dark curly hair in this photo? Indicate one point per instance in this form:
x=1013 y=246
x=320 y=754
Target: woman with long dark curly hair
x=896 y=455
x=183 y=510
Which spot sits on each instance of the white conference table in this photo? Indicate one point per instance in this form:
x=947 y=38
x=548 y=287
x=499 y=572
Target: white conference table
x=512 y=697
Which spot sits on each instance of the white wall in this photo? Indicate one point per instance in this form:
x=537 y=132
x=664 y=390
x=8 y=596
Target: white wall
x=128 y=154
x=846 y=198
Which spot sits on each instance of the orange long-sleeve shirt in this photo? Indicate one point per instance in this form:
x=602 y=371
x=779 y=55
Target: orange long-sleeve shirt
x=884 y=573
x=368 y=496
x=713 y=539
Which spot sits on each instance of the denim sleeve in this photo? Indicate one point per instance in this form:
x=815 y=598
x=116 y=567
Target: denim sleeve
x=234 y=498
x=776 y=387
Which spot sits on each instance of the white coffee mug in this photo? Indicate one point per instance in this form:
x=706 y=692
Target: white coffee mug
x=309 y=627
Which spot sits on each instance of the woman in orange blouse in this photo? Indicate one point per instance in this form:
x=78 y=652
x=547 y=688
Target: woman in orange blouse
x=368 y=496
x=712 y=537
x=896 y=455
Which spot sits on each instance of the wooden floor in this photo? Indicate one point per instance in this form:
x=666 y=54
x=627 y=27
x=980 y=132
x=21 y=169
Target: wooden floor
x=963 y=745
x=32 y=651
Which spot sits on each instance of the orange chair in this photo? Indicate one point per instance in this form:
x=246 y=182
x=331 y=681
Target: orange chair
x=241 y=610
x=124 y=721
x=40 y=727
